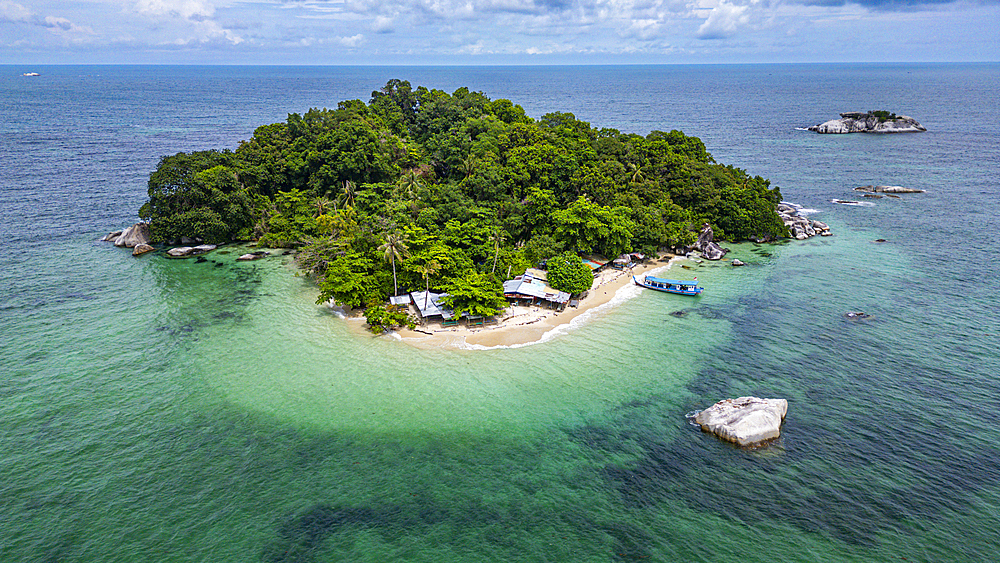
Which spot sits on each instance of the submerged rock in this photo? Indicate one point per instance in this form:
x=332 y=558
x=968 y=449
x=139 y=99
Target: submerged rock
x=857 y=315
x=141 y=249
x=746 y=421
x=253 y=255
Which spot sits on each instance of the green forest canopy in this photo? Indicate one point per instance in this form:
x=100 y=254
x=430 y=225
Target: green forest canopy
x=468 y=190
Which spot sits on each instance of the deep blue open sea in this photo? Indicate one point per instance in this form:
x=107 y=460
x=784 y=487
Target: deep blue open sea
x=170 y=411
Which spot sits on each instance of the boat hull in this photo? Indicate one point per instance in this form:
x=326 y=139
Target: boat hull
x=691 y=290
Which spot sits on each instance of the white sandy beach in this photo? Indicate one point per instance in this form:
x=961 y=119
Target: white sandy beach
x=525 y=325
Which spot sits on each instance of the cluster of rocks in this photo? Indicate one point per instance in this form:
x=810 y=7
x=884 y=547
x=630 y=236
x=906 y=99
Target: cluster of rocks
x=870 y=122
x=799 y=227
x=746 y=421
x=136 y=237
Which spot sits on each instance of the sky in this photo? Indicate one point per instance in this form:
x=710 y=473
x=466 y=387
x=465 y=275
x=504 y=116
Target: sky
x=491 y=32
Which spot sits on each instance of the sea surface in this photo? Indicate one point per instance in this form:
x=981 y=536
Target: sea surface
x=174 y=411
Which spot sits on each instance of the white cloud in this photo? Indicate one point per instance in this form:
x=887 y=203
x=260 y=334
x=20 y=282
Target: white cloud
x=352 y=41
x=187 y=9
x=723 y=21
x=382 y=24
x=192 y=21
x=58 y=25
x=13 y=12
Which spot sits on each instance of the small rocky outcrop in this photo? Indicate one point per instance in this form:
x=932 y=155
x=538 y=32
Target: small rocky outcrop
x=131 y=237
x=746 y=421
x=253 y=255
x=709 y=249
x=800 y=227
x=141 y=249
x=888 y=190
x=186 y=251
x=870 y=122
x=738 y=262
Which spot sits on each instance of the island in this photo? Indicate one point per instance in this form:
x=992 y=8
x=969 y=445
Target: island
x=426 y=211
x=871 y=122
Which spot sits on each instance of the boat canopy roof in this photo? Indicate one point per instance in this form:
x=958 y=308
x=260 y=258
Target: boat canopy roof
x=672 y=282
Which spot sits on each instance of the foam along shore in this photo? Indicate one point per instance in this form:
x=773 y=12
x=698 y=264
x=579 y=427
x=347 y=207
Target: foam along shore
x=520 y=326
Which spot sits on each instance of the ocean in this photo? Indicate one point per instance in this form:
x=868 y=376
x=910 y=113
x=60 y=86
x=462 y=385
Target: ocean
x=171 y=411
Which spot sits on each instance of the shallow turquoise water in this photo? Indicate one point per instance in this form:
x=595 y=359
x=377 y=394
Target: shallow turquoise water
x=181 y=411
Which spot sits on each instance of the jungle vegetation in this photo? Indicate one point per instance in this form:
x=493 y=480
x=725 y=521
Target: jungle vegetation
x=421 y=189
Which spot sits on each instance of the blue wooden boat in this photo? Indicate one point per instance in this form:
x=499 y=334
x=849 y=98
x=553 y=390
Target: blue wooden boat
x=670 y=286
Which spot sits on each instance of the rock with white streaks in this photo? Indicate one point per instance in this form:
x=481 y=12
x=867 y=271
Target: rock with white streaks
x=746 y=421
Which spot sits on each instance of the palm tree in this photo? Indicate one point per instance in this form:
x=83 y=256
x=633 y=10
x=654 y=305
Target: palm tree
x=469 y=165
x=427 y=270
x=408 y=186
x=349 y=193
x=394 y=247
x=635 y=173
x=322 y=204
x=497 y=238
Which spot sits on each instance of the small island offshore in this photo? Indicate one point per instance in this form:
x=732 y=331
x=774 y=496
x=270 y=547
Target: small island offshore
x=872 y=122
x=427 y=210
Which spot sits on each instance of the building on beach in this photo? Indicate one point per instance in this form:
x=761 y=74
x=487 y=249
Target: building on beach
x=527 y=290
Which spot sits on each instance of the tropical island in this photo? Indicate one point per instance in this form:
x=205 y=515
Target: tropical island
x=421 y=203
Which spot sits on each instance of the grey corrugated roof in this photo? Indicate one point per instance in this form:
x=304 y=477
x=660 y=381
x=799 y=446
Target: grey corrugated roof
x=399 y=299
x=434 y=305
x=533 y=288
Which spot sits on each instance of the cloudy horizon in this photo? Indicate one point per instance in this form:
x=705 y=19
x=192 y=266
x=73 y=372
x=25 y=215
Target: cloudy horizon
x=362 y=32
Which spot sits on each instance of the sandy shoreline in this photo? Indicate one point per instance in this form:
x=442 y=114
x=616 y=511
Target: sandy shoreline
x=525 y=325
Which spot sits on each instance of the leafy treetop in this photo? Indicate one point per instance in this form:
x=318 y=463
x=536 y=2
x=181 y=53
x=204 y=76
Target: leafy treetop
x=472 y=185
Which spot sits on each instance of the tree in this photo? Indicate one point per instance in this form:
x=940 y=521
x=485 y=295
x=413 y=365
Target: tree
x=567 y=272
x=352 y=280
x=322 y=204
x=497 y=238
x=394 y=248
x=350 y=190
x=427 y=270
x=194 y=195
x=588 y=227
x=477 y=294
x=382 y=319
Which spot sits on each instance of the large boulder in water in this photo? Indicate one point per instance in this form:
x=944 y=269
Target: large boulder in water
x=712 y=251
x=133 y=236
x=709 y=250
x=746 y=421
